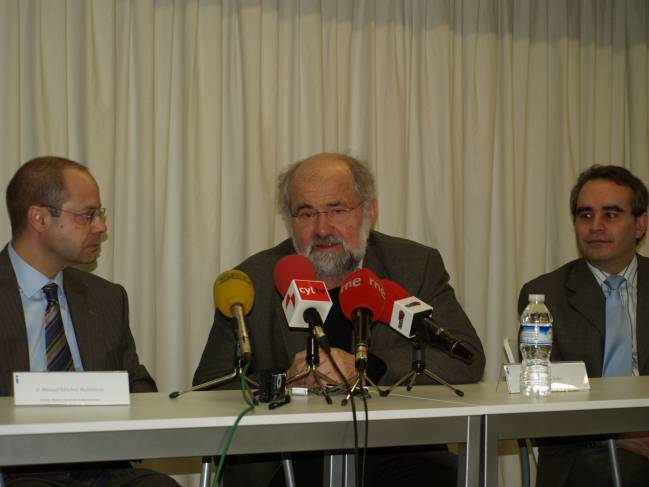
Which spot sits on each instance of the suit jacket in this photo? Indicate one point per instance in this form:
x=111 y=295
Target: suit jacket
x=417 y=268
x=99 y=311
x=578 y=307
x=577 y=304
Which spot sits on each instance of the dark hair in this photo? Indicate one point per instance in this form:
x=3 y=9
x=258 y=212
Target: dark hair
x=363 y=181
x=618 y=175
x=37 y=182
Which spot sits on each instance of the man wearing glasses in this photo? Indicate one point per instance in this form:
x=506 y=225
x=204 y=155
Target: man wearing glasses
x=56 y=318
x=329 y=204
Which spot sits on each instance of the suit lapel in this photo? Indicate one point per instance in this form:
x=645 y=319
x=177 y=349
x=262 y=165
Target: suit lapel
x=373 y=261
x=642 y=315
x=85 y=320
x=585 y=296
x=13 y=332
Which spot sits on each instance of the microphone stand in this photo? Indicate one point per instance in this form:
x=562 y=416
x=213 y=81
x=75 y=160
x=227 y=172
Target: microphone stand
x=239 y=363
x=361 y=346
x=312 y=361
x=357 y=387
x=419 y=368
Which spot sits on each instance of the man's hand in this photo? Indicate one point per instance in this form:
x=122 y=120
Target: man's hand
x=637 y=443
x=344 y=360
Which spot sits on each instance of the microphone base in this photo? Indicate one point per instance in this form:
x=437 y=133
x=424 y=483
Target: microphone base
x=411 y=377
x=419 y=368
x=322 y=381
x=358 y=387
x=234 y=375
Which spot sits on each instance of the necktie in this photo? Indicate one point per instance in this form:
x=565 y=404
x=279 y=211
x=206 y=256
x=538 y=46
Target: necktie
x=617 y=346
x=59 y=357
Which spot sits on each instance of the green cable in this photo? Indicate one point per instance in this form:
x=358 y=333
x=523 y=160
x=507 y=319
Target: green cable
x=232 y=429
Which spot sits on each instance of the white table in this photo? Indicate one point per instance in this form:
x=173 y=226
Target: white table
x=154 y=426
x=613 y=405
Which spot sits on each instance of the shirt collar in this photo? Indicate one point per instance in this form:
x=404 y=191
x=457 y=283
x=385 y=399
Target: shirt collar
x=630 y=272
x=30 y=281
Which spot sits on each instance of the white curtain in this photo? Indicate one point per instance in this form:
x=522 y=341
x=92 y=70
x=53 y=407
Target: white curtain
x=476 y=116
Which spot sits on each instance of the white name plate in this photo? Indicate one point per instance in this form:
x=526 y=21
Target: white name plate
x=70 y=388
x=566 y=376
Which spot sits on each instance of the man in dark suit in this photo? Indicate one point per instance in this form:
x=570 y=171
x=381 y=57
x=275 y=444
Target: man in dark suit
x=59 y=318
x=329 y=204
x=609 y=209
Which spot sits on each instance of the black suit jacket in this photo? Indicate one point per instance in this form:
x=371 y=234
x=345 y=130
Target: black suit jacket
x=99 y=311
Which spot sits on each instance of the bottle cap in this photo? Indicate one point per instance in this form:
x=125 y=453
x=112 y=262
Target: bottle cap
x=536 y=298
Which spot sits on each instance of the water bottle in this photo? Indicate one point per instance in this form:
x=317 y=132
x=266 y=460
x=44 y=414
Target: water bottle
x=535 y=339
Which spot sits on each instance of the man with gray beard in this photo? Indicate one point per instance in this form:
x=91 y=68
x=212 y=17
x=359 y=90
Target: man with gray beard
x=329 y=204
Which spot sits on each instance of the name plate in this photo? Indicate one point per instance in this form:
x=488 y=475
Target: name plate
x=566 y=376
x=70 y=388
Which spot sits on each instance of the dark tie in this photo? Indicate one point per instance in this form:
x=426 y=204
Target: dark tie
x=618 y=345
x=59 y=357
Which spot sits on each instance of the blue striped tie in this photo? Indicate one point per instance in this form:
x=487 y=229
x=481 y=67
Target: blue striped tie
x=617 y=345
x=59 y=357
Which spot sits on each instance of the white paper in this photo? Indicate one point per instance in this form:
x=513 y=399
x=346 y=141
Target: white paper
x=70 y=388
x=566 y=376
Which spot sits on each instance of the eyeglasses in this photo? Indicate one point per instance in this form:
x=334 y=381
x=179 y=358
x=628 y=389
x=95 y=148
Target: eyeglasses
x=85 y=218
x=337 y=214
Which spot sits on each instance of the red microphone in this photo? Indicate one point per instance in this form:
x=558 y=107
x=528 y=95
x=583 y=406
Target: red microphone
x=411 y=317
x=362 y=299
x=306 y=301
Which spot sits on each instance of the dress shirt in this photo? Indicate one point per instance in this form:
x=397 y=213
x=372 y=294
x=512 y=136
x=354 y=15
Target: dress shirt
x=30 y=283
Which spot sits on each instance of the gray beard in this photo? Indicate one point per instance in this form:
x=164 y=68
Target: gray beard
x=336 y=265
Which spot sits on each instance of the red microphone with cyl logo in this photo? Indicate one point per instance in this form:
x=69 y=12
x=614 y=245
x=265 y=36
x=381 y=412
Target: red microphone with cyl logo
x=362 y=299
x=306 y=301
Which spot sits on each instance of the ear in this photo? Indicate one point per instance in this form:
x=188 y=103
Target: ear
x=640 y=226
x=38 y=218
x=373 y=211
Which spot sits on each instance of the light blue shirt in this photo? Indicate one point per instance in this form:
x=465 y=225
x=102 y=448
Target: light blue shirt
x=629 y=293
x=30 y=283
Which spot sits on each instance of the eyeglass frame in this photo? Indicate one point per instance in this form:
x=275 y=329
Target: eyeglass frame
x=86 y=218
x=344 y=212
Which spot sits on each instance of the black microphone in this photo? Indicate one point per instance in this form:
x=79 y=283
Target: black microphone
x=410 y=316
x=361 y=299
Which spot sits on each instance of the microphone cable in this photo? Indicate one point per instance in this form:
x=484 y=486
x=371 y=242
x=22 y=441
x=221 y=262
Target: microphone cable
x=360 y=474
x=245 y=392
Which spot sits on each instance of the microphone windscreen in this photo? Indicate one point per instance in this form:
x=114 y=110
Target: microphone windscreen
x=233 y=287
x=291 y=267
x=393 y=292
x=362 y=289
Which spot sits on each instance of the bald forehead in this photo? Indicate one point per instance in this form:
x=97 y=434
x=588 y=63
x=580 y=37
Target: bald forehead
x=322 y=181
x=322 y=167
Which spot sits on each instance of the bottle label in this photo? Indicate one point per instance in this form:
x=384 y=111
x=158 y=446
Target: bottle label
x=535 y=334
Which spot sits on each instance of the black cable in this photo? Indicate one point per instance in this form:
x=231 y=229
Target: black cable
x=367 y=429
x=348 y=388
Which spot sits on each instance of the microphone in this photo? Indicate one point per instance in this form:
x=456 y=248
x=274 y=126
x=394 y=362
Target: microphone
x=411 y=317
x=306 y=301
x=234 y=297
x=362 y=298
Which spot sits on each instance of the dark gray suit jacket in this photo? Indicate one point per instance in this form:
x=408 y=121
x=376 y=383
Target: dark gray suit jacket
x=577 y=304
x=417 y=268
x=99 y=311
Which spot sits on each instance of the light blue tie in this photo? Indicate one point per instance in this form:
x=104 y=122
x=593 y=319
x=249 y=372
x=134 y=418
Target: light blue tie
x=617 y=347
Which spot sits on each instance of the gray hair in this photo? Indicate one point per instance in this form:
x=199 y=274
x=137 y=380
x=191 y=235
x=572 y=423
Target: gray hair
x=363 y=181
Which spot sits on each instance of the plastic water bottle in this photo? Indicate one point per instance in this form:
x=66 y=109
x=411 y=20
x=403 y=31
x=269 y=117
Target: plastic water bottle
x=535 y=339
